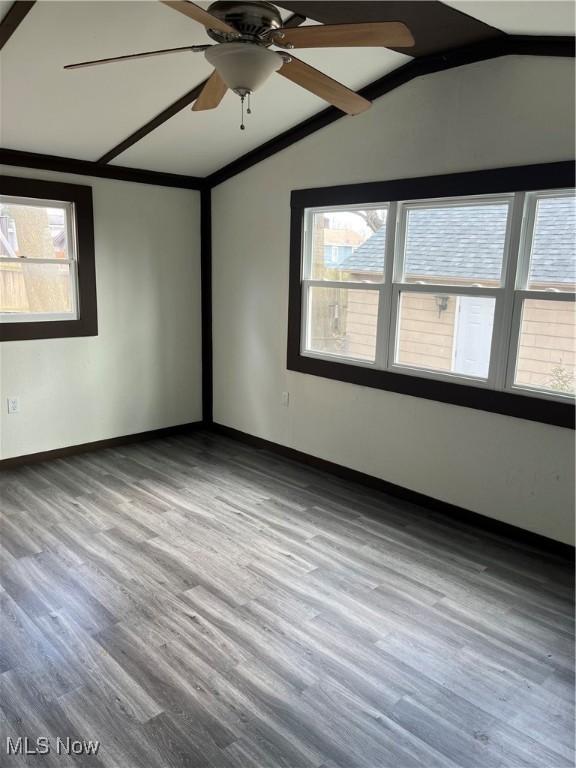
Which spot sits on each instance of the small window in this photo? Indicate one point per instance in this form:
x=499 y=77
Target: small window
x=343 y=270
x=38 y=275
x=47 y=283
x=451 y=257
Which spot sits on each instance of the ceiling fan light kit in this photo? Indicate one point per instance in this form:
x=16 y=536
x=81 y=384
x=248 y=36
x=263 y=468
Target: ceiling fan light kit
x=242 y=59
x=243 y=67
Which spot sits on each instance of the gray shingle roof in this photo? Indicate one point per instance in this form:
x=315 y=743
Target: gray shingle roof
x=468 y=242
x=553 y=245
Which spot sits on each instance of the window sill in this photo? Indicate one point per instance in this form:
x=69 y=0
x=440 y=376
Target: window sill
x=48 y=329
x=520 y=406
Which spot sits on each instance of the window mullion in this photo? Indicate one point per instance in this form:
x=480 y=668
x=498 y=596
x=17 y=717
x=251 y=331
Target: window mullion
x=502 y=351
x=342 y=284
x=546 y=295
x=395 y=297
x=33 y=260
x=305 y=315
x=513 y=341
x=456 y=290
x=525 y=244
x=385 y=298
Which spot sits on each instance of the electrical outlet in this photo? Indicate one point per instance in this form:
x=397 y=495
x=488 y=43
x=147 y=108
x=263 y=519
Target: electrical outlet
x=285 y=399
x=13 y=404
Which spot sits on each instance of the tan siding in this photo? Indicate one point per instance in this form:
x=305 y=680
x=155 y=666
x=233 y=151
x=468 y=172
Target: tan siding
x=426 y=336
x=547 y=353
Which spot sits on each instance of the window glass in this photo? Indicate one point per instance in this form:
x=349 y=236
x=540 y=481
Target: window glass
x=32 y=238
x=553 y=251
x=348 y=245
x=445 y=332
x=33 y=232
x=546 y=352
x=342 y=321
x=455 y=244
x=32 y=288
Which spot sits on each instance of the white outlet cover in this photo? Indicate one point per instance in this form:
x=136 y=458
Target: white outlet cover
x=13 y=404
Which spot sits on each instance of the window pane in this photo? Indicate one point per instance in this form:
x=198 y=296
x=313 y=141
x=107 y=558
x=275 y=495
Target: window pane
x=33 y=232
x=348 y=245
x=546 y=353
x=342 y=321
x=553 y=253
x=35 y=288
x=455 y=245
x=445 y=333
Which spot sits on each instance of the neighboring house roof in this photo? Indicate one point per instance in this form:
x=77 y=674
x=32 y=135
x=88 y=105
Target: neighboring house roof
x=467 y=242
x=554 y=246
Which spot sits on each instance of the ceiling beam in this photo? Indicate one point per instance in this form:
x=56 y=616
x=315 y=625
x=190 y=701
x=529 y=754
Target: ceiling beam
x=20 y=159
x=10 y=23
x=151 y=125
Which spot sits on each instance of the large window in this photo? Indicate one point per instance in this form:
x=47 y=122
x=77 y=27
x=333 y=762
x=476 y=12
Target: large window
x=473 y=290
x=47 y=282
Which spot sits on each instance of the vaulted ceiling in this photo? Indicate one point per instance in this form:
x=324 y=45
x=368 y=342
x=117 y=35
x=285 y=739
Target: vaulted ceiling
x=98 y=113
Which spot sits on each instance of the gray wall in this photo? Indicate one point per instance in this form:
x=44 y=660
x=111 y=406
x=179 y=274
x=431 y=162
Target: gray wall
x=509 y=111
x=143 y=370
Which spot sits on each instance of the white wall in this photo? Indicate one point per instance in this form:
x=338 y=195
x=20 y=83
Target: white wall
x=143 y=370
x=510 y=111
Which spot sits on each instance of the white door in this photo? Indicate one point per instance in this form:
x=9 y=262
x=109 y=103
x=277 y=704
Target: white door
x=473 y=336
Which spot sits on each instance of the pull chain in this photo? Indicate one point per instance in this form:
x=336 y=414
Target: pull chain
x=242 y=126
x=249 y=110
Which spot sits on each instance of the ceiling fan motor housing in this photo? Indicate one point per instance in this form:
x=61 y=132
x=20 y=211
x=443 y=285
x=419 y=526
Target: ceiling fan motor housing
x=253 y=20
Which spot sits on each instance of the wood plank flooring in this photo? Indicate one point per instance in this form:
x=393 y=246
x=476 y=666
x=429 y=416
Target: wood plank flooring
x=194 y=602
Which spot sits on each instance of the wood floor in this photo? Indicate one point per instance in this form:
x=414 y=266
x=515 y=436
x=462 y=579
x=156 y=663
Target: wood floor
x=195 y=602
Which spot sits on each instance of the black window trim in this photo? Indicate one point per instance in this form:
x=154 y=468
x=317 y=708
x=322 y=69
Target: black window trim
x=87 y=322
x=525 y=178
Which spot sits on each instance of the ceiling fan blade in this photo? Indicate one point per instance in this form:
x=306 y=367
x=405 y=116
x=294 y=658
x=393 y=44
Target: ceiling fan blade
x=328 y=89
x=294 y=21
x=390 y=34
x=194 y=11
x=144 y=55
x=212 y=94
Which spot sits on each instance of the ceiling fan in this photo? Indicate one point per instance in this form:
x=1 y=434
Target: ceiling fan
x=243 y=59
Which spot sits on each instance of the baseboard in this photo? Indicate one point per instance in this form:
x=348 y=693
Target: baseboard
x=72 y=450
x=505 y=530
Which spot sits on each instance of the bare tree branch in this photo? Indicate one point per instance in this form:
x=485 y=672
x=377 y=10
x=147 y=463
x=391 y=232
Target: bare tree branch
x=372 y=218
